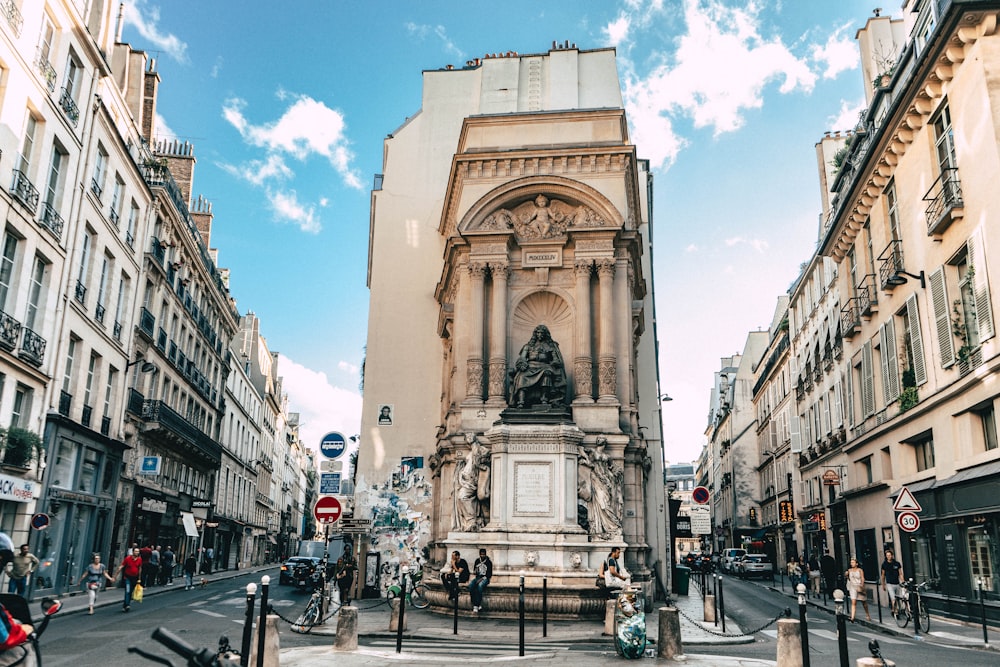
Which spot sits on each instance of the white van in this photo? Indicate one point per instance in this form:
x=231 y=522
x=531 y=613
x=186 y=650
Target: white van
x=730 y=555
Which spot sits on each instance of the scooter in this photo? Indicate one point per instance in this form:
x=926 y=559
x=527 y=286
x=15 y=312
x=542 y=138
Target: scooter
x=27 y=654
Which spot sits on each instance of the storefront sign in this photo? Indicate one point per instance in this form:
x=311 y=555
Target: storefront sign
x=150 y=465
x=153 y=505
x=16 y=489
x=831 y=478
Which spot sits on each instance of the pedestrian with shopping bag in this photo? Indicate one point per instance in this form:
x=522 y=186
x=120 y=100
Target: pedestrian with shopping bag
x=93 y=577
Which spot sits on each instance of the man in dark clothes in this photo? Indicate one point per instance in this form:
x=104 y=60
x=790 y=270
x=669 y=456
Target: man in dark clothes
x=828 y=567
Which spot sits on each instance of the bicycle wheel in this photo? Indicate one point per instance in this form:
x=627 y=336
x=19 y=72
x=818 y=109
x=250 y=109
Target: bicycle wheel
x=418 y=597
x=902 y=614
x=309 y=618
x=924 y=616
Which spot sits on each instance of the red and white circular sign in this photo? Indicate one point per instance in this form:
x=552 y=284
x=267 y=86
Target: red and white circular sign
x=327 y=510
x=908 y=521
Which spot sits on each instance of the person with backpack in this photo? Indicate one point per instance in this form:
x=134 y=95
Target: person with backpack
x=93 y=576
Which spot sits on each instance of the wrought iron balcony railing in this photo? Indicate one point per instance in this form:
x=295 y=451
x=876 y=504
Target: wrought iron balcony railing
x=51 y=220
x=170 y=421
x=68 y=105
x=32 y=347
x=24 y=191
x=47 y=71
x=944 y=201
x=86 y=414
x=865 y=294
x=130 y=239
x=890 y=264
x=159 y=251
x=850 y=318
x=105 y=425
x=80 y=293
x=113 y=217
x=99 y=314
x=147 y=322
x=117 y=331
x=10 y=329
x=9 y=10
x=96 y=188
x=65 y=403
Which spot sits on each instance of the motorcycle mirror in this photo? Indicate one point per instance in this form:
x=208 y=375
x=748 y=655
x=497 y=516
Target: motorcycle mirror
x=50 y=606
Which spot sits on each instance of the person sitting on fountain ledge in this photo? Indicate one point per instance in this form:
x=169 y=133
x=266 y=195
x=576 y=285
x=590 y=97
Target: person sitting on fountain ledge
x=457 y=573
x=615 y=575
x=538 y=376
x=483 y=569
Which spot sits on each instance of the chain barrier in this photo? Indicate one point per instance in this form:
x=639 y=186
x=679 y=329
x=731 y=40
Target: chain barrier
x=304 y=628
x=785 y=613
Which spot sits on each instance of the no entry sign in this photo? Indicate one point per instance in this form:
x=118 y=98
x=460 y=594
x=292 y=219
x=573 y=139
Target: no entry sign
x=327 y=510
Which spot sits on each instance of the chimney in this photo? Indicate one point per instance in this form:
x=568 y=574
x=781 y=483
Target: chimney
x=151 y=84
x=121 y=22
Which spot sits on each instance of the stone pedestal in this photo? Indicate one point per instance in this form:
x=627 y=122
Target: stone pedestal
x=347 y=629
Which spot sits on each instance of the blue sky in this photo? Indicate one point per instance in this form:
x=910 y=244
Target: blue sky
x=287 y=105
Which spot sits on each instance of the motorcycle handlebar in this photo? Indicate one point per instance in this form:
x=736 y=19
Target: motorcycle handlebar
x=174 y=643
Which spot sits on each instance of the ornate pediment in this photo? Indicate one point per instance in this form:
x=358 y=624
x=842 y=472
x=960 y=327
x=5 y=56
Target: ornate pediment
x=540 y=218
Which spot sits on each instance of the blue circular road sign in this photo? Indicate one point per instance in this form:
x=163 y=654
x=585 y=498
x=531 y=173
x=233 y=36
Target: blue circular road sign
x=332 y=445
x=40 y=521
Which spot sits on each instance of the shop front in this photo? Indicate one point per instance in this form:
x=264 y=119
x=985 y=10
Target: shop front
x=156 y=520
x=956 y=545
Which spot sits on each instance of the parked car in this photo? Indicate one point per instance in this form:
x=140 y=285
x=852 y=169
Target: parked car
x=288 y=568
x=754 y=565
x=729 y=556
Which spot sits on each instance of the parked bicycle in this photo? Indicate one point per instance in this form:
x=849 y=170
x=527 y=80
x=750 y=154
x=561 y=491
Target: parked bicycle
x=416 y=591
x=313 y=614
x=909 y=605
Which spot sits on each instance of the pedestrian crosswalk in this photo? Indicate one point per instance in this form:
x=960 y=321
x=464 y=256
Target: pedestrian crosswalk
x=480 y=649
x=832 y=636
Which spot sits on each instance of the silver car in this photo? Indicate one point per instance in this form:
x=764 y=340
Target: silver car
x=754 y=565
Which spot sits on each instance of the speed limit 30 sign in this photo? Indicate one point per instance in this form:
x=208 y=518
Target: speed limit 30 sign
x=908 y=521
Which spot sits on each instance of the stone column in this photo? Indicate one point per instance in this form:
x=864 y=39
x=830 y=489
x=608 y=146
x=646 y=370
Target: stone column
x=474 y=373
x=498 y=334
x=624 y=331
x=607 y=377
x=583 y=363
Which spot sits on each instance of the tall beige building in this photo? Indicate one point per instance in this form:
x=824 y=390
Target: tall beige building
x=512 y=199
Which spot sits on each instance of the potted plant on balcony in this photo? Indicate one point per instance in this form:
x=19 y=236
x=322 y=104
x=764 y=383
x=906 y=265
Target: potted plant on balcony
x=961 y=330
x=19 y=447
x=908 y=397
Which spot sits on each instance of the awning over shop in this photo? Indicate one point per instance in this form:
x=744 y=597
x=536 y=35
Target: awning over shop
x=190 y=529
x=271 y=539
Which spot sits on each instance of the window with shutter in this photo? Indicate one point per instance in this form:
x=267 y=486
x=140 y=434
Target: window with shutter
x=915 y=341
x=867 y=381
x=942 y=318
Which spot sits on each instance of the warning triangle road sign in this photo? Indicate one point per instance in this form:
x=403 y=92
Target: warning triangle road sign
x=905 y=502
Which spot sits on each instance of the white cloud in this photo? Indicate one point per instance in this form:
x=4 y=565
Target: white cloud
x=691 y=248
x=847 y=118
x=350 y=368
x=423 y=31
x=307 y=127
x=258 y=172
x=161 y=129
x=759 y=245
x=322 y=407
x=840 y=53
x=144 y=19
x=617 y=30
x=286 y=206
x=718 y=71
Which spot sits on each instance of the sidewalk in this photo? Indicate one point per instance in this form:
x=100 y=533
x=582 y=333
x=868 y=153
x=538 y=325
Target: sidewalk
x=373 y=622
x=943 y=631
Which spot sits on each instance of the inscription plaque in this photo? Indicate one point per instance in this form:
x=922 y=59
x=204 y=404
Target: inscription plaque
x=533 y=488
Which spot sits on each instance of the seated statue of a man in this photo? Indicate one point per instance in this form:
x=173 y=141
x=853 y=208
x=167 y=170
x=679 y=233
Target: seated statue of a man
x=538 y=376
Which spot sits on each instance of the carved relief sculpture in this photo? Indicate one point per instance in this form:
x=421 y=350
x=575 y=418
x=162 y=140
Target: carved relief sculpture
x=472 y=487
x=600 y=485
x=542 y=218
x=539 y=375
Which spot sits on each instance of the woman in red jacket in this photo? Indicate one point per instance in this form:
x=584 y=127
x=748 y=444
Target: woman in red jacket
x=131 y=568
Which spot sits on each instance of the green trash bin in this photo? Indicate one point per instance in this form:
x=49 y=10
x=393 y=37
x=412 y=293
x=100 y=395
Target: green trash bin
x=682 y=580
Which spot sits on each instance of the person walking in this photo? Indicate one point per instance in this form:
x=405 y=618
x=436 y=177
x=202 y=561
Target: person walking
x=482 y=570
x=93 y=576
x=152 y=571
x=167 y=566
x=21 y=567
x=856 y=588
x=892 y=577
x=190 y=568
x=345 y=576
x=131 y=571
x=814 y=574
x=828 y=568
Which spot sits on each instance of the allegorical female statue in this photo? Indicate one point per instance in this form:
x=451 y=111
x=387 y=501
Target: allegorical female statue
x=538 y=376
x=600 y=485
x=472 y=487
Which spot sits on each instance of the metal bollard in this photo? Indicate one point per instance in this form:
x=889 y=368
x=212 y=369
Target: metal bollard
x=265 y=583
x=520 y=617
x=545 y=606
x=878 y=601
x=454 y=609
x=248 y=625
x=715 y=594
x=838 y=602
x=982 y=612
x=803 y=624
x=722 y=605
x=402 y=608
